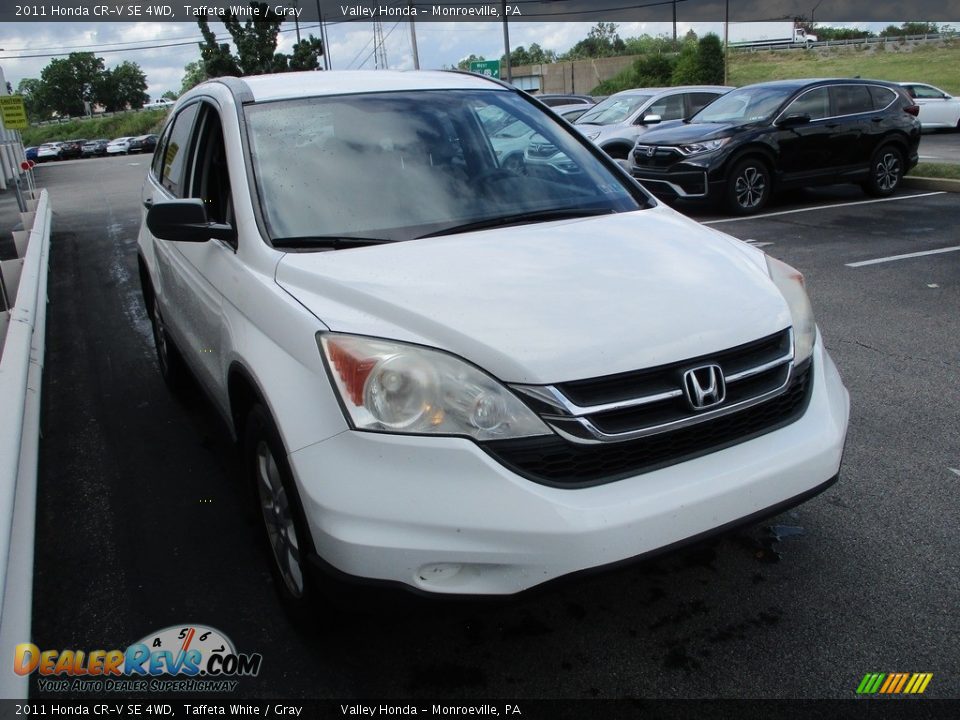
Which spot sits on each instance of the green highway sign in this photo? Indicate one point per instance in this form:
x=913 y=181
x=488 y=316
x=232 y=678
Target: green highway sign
x=490 y=68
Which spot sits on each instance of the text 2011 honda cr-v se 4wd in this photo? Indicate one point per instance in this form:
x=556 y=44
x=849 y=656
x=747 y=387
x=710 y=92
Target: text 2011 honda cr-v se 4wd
x=462 y=378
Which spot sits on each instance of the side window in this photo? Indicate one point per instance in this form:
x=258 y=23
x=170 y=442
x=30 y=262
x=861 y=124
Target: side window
x=698 y=101
x=668 y=108
x=881 y=96
x=176 y=151
x=927 y=92
x=851 y=99
x=156 y=165
x=815 y=103
x=211 y=179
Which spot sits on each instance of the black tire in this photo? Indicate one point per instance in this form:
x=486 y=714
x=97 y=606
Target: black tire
x=886 y=171
x=280 y=514
x=172 y=366
x=749 y=186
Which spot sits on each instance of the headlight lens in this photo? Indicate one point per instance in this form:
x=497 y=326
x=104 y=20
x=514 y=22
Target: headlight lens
x=702 y=147
x=790 y=283
x=394 y=387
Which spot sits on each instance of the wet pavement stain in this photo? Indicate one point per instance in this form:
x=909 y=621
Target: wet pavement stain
x=685 y=612
x=677 y=658
x=528 y=626
x=765 y=548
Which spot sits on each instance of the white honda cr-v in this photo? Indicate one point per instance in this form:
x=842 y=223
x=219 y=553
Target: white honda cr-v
x=460 y=377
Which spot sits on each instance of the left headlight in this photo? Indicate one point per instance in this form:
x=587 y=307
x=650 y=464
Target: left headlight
x=790 y=283
x=703 y=147
x=394 y=387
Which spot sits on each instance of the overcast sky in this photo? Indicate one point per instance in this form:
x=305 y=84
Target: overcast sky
x=351 y=46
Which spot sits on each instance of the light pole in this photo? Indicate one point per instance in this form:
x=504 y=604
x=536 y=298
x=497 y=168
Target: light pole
x=726 y=40
x=812 y=12
x=506 y=41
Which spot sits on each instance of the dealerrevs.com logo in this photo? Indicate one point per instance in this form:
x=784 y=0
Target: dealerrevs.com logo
x=180 y=658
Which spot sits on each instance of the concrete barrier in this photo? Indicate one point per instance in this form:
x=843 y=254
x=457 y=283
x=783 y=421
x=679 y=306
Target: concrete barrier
x=21 y=369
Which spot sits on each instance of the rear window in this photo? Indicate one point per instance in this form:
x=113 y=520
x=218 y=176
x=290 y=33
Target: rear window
x=881 y=96
x=852 y=99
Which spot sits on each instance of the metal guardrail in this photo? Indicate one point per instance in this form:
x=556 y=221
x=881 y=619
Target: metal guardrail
x=94 y=116
x=21 y=368
x=787 y=45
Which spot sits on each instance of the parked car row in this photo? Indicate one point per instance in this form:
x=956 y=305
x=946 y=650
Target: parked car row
x=83 y=148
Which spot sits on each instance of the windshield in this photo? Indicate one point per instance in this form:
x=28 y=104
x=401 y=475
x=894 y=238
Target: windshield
x=401 y=165
x=743 y=106
x=613 y=110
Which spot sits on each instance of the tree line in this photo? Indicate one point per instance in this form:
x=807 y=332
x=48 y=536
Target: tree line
x=73 y=85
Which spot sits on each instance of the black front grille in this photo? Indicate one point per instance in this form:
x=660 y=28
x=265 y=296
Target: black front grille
x=623 y=386
x=663 y=157
x=555 y=461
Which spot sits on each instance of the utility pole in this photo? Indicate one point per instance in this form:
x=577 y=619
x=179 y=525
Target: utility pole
x=413 y=44
x=506 y=41
x=674 y=22
x=323 y=38
x=726 y=41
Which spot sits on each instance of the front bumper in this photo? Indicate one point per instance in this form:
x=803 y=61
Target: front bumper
x=440 y=515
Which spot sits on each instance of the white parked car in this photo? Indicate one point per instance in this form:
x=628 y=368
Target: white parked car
x=615 y=123
x=48 y=151
x=455 y=377
x=938 y=109
x=119 y=145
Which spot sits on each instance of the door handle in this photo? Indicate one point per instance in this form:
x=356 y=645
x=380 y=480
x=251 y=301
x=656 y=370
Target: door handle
x=876 y=119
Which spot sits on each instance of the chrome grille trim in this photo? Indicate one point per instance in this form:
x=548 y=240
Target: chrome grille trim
x=573 y=422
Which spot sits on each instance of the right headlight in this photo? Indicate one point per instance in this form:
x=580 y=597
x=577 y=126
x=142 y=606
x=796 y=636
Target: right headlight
x=394 y=387
x=789 y=281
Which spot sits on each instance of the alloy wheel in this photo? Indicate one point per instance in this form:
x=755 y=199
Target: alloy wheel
x=750 y=187
x=888 y=171
x=278 y=518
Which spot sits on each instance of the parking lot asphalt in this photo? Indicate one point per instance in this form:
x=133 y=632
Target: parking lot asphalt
x=142 y=525
x=940 y=146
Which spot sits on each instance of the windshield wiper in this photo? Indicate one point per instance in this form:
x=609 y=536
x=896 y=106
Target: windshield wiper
x=521 y=219
x=334 y=242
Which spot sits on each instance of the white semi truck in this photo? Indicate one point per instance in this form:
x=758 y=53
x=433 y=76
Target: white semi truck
x=769 y=34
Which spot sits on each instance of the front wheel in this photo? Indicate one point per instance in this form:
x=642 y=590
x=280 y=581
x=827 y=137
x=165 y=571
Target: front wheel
x=886 y=172
x=172 y=366
x=274 y=491
x=748 y=187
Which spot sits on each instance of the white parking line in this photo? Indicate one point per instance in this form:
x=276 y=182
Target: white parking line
x=954 y=471
x=822 y=207
x=891 y=258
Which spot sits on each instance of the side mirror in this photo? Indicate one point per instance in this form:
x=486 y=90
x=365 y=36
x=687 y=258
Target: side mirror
x=186 y=221
x=651 y=119
x=793 y=120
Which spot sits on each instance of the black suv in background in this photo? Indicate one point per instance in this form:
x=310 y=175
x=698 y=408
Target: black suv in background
x=782 y=134
x=94 y=148
x=72 y=149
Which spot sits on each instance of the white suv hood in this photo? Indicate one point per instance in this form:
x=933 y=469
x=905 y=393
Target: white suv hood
x=553 y=301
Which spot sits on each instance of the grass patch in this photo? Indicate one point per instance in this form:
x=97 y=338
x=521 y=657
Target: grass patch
x=936 y=170
x=929 y=63
x=126 y=124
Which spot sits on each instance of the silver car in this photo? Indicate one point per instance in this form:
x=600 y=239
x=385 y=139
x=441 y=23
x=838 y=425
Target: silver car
x=617 y=122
